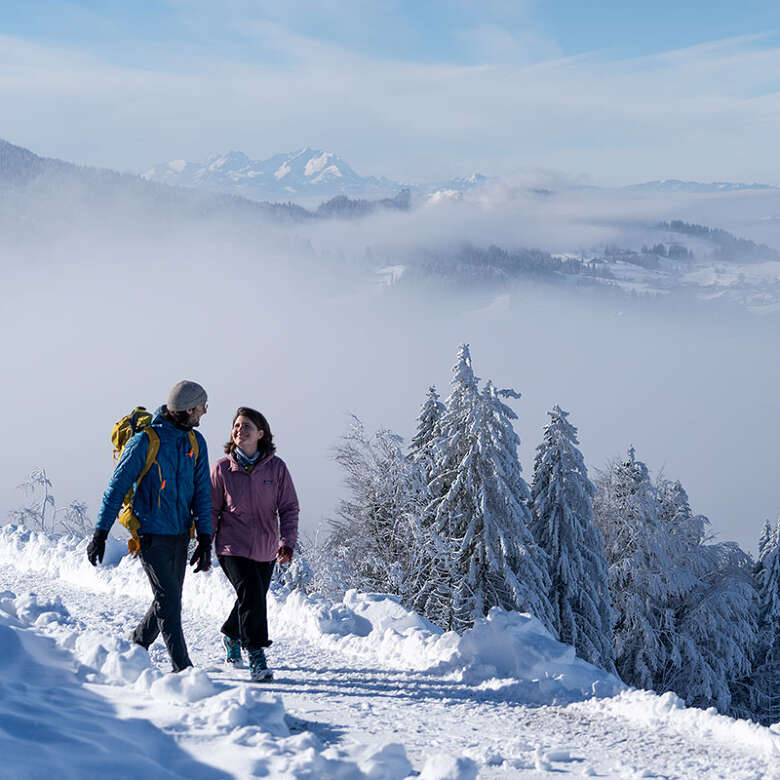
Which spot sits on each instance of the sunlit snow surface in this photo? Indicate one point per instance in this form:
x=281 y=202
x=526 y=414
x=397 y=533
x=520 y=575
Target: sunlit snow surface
x=363 y=688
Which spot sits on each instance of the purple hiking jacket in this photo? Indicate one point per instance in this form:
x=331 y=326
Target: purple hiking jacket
x=245 y=505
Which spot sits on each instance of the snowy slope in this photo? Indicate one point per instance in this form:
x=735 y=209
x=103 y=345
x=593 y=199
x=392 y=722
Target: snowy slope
x=363 y=688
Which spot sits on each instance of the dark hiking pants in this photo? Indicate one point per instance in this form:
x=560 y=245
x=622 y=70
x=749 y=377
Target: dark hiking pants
x=248 y=620
x=164 y=559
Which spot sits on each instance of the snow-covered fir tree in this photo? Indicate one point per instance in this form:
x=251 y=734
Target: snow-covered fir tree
x=420 y=447
x=433 y=597
x=765 y=679
x=766 y=542
x=563 y=526
x=714 y=609
x=625 y=510
x=480 y=507
x=686 y=610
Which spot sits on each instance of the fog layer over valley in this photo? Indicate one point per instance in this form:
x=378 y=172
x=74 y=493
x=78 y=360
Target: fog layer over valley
x=112 y=293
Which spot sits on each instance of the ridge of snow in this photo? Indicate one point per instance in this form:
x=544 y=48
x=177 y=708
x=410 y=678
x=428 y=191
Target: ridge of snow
x=648 y=709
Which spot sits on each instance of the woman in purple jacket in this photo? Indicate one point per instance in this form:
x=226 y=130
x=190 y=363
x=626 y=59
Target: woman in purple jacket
x=253 y=499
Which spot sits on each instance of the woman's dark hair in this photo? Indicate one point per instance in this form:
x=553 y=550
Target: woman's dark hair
x=266 y=445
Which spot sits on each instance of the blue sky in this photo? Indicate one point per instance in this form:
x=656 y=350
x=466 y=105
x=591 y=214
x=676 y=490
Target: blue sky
x=610 y=91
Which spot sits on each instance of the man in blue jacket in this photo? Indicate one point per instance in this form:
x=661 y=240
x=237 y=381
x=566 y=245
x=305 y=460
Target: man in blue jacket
x=173 y=493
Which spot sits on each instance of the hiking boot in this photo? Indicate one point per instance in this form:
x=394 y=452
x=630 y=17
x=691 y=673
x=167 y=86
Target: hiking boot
x=258 y=668
x=232 y=649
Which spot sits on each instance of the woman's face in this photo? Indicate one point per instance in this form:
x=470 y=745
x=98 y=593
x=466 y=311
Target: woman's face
x=246 y=435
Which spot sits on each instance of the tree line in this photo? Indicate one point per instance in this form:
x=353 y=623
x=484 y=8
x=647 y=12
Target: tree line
x=620 y=567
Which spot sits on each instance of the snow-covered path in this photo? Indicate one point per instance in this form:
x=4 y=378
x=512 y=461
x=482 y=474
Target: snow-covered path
x=357 y=705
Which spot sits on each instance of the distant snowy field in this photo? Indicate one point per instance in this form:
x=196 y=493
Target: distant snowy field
x=363 y=688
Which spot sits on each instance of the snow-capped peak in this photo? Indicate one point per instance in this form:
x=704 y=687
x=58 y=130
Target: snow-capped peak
x=233 y=160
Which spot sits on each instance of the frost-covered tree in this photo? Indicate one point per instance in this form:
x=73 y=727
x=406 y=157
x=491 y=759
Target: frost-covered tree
x=39 y=512
x=625 y=510
x=480 y=507
x=376 y=537
x=563 y=526
x=766 y=542
x=715 y=613
x=694 y=629
x=421 y=445
x=765 y=679
x=716 y=630
x=75 y=519
x=714 y=609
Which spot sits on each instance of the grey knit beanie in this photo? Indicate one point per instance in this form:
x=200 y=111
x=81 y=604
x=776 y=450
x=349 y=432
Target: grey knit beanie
x=186 y=395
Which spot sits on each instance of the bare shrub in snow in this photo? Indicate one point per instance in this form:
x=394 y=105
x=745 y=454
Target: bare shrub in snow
x=41 y=513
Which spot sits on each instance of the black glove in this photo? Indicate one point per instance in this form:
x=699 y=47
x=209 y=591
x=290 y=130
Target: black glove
x=202 y=554
x=97 y=547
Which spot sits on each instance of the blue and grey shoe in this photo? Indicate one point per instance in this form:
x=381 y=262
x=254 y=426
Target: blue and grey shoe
x=232 y=649
x=258 y=668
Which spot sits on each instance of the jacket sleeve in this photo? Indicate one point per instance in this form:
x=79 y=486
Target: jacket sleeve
x=202 y=498
x=217 y=497
x=131 y=464
x=287 y=506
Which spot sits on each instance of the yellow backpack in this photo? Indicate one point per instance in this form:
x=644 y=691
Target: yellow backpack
x=124 y=429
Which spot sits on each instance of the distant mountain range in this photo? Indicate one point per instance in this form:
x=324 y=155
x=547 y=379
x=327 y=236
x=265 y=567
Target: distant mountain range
x=303 y=176
x=676 y=185
x=312 y=175
x=54 y=190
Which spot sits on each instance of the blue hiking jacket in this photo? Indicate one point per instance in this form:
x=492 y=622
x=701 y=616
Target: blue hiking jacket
x=169 y=498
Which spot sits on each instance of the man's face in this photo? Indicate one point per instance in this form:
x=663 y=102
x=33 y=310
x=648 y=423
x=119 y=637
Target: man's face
x=196 y=413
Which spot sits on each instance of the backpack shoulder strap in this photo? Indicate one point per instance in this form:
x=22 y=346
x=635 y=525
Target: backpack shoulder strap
x=194 y=446
x=151 y=453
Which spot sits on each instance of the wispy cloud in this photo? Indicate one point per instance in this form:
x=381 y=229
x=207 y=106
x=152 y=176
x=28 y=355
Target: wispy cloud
x=706 y=112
